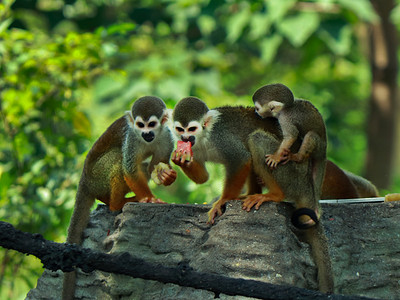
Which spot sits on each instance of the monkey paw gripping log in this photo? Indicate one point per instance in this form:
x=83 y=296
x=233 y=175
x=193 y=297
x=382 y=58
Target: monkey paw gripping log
x=258 y=199
x=215 y=211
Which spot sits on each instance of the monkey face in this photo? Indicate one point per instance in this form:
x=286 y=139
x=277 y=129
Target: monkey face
x=148 y=128
x=188 y=133
x=269 y=109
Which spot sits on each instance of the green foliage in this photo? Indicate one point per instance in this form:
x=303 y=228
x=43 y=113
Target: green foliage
x=65 y=79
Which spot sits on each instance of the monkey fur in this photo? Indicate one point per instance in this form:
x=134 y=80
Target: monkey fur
x=295 y=181
x=219 y=135
x=299 y=120
x=114 y=166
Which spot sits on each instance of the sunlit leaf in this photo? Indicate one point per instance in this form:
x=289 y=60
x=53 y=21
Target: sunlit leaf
x=260 y=24
x=361 y=8
x=278 y=9
x=269 y=48
x=82 y=124
x=337 y=35
x=236 y=24
x=297 y=29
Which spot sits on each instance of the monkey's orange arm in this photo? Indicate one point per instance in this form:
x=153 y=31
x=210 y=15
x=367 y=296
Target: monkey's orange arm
x=196 y=172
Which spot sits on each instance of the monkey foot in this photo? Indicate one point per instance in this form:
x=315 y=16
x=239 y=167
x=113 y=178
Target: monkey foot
x=304 y=218
x=296 y=157
x=258 y=199
x=272 y=160
x=151 y=200
x=215 y=211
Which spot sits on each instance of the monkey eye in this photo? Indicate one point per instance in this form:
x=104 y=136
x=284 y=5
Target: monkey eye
x=192 y=129
x=179 y=129
x=139 y=124
x=152 y=124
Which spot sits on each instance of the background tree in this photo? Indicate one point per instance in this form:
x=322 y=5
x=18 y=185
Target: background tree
x=382 y=121
x=69 y=68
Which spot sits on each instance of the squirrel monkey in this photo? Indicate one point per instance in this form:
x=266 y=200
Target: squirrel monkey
x=219 y=135
x=114 y=166
x=295 y=183
x=298 y=119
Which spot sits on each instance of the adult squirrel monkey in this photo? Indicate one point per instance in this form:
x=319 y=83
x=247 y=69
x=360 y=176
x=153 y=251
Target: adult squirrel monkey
x=299 y=120
x=219 y=135
x=114 y=166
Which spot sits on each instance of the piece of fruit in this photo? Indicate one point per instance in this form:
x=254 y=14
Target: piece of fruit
x=185 y=147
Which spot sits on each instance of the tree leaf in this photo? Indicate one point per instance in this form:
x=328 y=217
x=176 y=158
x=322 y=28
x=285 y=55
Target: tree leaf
x=278 y=9
x=269 y=47
x=259 y=25
x=236 y=24
x=299 y=28
x=362 y=8
x=337 y=36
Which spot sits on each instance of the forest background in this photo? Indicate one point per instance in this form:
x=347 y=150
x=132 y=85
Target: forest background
x=68 y=68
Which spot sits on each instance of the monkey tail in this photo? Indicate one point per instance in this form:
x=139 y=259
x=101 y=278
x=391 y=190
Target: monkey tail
x=301 y=212
x=78 y=223
x=316 y=238
x=364 y=187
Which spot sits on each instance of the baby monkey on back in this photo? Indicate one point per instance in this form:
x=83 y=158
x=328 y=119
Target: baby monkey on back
x=299 y=119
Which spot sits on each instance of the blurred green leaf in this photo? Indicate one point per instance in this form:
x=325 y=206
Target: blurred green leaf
x=278 y=9
x=297 y=29
x=269 y=48
x=237 y=22
x=362 y=8
x=337 y=35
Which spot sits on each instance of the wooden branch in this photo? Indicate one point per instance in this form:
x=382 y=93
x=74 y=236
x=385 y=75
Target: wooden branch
x=65 y=257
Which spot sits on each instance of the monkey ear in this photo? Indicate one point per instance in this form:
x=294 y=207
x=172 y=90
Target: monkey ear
x=210 y=118
x=167 y=116
x=129 y=118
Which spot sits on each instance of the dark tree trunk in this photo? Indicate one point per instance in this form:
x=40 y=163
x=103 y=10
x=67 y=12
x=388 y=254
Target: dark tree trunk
x=383 y=101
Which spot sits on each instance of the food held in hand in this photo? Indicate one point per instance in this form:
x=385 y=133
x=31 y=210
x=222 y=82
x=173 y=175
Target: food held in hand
x=157 y=169
x=186 y=148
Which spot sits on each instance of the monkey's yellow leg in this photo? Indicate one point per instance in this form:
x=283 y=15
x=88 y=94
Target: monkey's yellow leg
x=117 y=195
x=232 y=189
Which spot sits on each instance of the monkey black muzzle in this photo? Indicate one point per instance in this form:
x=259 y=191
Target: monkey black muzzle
x=191 y=139
x=148 y=136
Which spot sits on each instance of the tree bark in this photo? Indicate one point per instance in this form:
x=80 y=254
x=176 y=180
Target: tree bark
x=67 y=257
x=383 y=102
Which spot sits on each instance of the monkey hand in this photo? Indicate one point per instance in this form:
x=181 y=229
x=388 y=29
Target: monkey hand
x=296 y=157
x=179 y=158
x=167 y=176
